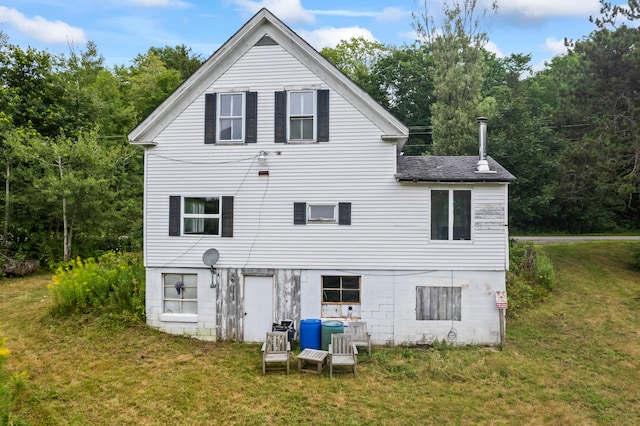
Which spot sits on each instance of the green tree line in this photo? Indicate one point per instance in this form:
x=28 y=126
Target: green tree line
x=570 y=133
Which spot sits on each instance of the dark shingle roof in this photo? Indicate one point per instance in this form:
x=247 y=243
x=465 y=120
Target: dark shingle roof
x=449 y=169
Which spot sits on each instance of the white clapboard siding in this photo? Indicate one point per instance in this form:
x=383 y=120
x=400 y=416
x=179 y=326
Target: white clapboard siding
x=389 y=220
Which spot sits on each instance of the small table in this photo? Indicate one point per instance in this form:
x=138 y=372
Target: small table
x=311 y=356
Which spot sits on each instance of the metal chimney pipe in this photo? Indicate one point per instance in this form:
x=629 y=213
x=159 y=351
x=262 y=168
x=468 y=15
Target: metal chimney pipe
x=482 y=135
x=483 y=164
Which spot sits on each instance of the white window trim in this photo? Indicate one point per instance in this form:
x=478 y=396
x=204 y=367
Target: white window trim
x=179 y=316
x=323 y=220
x=315 y=115
x=184 y=216
x=243 y=112
x=450 y=239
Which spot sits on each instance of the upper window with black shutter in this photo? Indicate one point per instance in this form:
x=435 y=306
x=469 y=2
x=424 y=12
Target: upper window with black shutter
x=302 y=116
x=201 y=216
x=231 y=117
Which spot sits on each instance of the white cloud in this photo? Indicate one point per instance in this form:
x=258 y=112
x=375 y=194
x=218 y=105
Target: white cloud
x=392 y=14
x=160 y=3
x=41 y=29
x=388 y=14
x=542 y=9
x=555 y=46
x=286 y=10
x=493 y=48
x=330 y=36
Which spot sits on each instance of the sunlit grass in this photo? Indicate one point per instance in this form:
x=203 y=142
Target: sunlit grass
x=572 y=360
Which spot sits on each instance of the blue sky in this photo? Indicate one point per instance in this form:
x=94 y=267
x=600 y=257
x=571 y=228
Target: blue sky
x=122 y=29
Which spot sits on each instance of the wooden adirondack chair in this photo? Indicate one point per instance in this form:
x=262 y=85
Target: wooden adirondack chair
x=276 y=349
x=358 y=330
x=342 y=352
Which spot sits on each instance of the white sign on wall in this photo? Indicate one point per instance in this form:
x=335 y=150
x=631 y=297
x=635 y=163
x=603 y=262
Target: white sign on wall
x=501 y=299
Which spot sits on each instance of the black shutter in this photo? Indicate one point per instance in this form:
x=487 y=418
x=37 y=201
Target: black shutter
x=322 y=98
x=210 y=118
x=344 y=213
x=174 y=215
x=299 y=213
x=280 y=135
x=227 y=216
x=251 y=123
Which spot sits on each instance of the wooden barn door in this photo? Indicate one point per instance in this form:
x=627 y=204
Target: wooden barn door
x=258 y=307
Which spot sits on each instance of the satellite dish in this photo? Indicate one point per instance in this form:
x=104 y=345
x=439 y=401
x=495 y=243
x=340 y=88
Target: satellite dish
x=210 y=257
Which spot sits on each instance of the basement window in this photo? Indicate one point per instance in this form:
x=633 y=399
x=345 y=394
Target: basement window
x=180 y=293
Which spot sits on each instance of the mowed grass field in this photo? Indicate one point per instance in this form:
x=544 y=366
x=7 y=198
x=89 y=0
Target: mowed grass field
x=574 y=360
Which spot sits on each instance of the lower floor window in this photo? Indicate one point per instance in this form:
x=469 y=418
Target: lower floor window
x=180 y=293
x=340 y=289
x=438 y=303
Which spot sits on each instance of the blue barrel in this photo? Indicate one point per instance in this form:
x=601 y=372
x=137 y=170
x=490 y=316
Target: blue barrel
x=329 y=328
x=310 y=334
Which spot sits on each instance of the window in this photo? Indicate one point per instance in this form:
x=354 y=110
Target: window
x=180 y=293
x=231 y=117
x=304 y=213
x=438 y=303
x=301 y=116
x=322 y=212
x=450 y=214
x=202 y=216
x=340 y=289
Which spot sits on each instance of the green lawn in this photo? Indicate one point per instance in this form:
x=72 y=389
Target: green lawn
x=575 y=360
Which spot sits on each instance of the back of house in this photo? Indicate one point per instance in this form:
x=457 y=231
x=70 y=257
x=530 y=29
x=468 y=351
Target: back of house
x=275 y=189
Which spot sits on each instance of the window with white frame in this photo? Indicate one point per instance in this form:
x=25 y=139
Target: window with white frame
x=302 y=115
x=231 y=117
x=322 y=212
x=201 y=215
x=180 y=293
x=337 y=289
x=451 y=214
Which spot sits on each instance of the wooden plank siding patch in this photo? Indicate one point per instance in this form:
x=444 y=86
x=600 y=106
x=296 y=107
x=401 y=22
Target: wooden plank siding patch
x=438 y=303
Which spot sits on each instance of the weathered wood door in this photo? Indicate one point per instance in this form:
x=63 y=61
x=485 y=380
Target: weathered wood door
x=258 y=307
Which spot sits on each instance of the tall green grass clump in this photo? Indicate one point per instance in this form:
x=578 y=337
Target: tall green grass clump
x=530 y=277
x=10 y=387
x=114 y=284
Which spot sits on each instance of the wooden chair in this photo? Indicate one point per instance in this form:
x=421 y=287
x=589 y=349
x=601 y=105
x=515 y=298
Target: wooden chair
x=358 y=331
x=342 y=352
x=276 y=349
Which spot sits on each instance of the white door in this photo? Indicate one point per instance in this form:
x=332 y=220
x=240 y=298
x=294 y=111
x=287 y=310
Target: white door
x=258 y=307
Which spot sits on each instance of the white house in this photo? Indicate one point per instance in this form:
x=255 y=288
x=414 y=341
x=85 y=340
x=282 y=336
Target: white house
x=275 y=188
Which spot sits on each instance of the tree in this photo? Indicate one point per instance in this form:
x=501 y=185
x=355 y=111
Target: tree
x=147 y=83
x=179 y=58
x=357 y=58
x=458 y=74
x=73 y=180
x=400 y=75
x=599 y=183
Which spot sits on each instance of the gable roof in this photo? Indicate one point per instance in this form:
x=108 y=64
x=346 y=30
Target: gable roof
x=449 y=169
x=262 y=24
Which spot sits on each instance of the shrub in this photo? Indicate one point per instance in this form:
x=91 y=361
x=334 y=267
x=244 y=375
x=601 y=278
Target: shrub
x=530 y=278
x=114 y=283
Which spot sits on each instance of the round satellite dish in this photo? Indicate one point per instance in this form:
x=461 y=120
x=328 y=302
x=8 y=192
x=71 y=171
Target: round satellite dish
x=210 y=257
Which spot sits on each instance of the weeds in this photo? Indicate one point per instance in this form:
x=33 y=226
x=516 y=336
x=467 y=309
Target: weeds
x=530 y=278
x=10 y=388
x=114 y=283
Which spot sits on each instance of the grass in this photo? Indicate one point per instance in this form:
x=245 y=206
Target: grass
x=573 y=360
